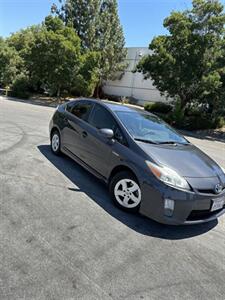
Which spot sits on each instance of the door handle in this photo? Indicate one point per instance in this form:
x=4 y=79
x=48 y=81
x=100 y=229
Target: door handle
x=84 y=134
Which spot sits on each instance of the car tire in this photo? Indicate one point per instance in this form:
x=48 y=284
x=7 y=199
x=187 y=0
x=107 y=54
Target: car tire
x=56 y=142
x=125 y=191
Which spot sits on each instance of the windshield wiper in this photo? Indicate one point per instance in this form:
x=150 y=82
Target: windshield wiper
x=172 y=143
x=145 y=141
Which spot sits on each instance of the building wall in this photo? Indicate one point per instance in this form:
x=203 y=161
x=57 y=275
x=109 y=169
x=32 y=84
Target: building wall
x=133 y=84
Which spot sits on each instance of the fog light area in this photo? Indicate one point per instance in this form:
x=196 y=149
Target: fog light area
x=168 y=207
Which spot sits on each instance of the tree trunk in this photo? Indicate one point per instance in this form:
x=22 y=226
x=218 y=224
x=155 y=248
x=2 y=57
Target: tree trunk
x=182 y=103
x=97 y=89
x=58 y=94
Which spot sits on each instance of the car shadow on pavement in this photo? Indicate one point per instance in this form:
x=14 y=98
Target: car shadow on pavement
x=97 y=191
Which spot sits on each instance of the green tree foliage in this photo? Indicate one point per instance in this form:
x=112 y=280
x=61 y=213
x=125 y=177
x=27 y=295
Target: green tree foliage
x=97 y=24
x=187 y=64
x=75 y=51
x=22 y=39
x=10 y=63
x=88 y=76
x=21 y=86
x=83 y=16
x=54 y=55
x=110 y=42
x=48 y=56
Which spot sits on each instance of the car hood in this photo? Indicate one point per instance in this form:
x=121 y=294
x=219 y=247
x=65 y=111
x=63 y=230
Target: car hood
x=187 y=160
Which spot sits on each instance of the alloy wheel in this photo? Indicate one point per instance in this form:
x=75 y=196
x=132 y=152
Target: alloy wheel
x=127 y=193
x=55 y=142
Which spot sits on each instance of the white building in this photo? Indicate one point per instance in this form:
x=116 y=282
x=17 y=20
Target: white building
x=133 y=84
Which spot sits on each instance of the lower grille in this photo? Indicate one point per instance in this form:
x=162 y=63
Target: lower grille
x=202 y=214
x=209 y=191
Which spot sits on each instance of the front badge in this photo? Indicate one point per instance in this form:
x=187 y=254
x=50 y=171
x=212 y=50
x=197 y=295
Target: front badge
x=218 y=188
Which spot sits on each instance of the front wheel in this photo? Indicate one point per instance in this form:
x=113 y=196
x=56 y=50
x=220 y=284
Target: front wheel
x=125 y=191
x=55 y=142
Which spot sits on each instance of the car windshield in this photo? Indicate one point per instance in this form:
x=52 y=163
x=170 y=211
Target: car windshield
x=149 y=128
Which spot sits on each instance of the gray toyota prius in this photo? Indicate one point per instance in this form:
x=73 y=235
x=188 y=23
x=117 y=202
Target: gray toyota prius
x=147 y=165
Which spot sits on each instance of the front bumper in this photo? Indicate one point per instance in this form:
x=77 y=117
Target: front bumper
x=189 y=207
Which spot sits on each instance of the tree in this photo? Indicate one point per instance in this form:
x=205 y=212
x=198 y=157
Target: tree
x=21 y=42
x=22 y=39
x=54 y=55
x=111 y=42
x=52 y=59
x=10 y=64
x=185 y=64
x=88 y=76
x=97 y=24
x=83 y=16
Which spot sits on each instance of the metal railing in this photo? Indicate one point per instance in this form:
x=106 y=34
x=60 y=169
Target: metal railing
x=4 y=92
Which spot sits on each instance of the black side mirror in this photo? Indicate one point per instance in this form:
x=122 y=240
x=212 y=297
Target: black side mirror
x=107 y=133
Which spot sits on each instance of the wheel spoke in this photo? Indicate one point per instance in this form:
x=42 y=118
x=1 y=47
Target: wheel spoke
x=134 y=198
x=126 y=200
x=133 y=188
x=124 y=185
x=120 y=193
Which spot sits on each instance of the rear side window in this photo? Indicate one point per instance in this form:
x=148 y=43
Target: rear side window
x=81 y=110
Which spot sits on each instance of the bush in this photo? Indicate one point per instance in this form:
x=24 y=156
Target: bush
x=168 y=118
x=193 y=111
x=20 y=87
x=114 y=98
x=219 y=122
x=177 y=115
x=190 y=118
x=190 y=122
x=158 y=107
x=197 y=123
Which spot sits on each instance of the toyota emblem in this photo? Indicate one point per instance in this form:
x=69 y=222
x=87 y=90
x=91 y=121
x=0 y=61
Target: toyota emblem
x=218 y=188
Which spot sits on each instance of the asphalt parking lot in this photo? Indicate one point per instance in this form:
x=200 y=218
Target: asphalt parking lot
x=62 y=238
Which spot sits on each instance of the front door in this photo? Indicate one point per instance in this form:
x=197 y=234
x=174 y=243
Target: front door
x=98 y=151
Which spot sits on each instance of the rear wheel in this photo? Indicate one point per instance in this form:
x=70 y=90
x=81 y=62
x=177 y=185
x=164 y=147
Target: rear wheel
x=55 y=142
x=125 y=191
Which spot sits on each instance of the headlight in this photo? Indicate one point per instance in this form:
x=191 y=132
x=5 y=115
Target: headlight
x=168 y=176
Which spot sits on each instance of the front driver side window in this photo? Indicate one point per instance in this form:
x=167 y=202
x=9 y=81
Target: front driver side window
x=101 y=118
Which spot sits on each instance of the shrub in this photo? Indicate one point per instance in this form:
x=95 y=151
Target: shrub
x=158 y=107
x=177 y=115
x=188 y=122
x=219 y=122
x=168 y=118
x=197 y=123
x=204 y=121
x=20 y=87
x=193 y=111
x=114 y=98
x=190 y=118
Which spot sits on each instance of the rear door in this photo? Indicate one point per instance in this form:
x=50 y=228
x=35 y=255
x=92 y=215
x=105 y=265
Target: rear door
x=76 y=116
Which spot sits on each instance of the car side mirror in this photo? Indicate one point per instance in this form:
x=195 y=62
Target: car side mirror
x=107 y=133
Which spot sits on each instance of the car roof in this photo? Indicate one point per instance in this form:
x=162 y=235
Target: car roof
x=114 y=106
x=120 y=107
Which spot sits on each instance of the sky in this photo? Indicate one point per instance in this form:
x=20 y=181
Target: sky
x=141 y=19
